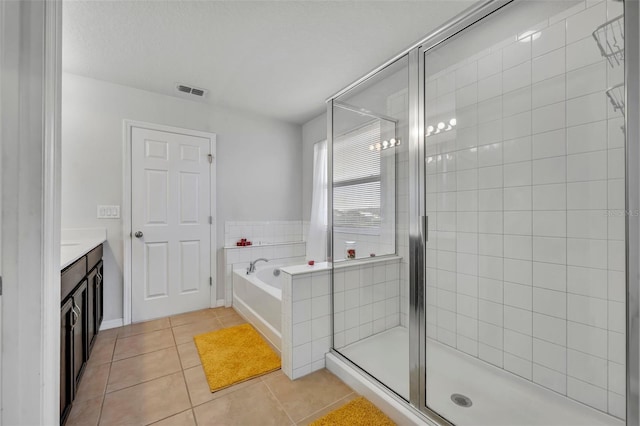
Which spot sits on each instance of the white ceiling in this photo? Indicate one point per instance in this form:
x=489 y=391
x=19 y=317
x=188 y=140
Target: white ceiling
x=275 y=58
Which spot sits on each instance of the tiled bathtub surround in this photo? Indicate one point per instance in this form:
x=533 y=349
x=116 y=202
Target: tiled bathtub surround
x=526 y=256
x=306 y=321
x=239 y=257
x=379 y=244
x=366 y=299
x=264 y=232
x=365 y=302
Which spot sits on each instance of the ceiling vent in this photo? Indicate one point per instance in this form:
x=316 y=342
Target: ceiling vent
x=189 y=90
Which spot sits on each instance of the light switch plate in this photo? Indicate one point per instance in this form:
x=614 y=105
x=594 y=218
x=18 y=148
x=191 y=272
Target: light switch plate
x=108 y=212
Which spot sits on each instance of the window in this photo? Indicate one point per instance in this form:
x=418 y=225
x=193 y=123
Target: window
x=356 y=180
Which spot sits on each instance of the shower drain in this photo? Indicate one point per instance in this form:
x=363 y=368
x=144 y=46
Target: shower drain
x=461 y=400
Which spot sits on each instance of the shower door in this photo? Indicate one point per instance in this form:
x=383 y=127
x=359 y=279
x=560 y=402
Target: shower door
x=369 y=180
x=524 y=191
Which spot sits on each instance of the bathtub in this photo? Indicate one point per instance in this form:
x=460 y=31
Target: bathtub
x=258 y=298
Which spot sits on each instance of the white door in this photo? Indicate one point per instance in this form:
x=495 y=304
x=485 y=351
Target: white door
x=170 y=222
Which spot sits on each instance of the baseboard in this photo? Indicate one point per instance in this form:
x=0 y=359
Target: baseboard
x=219 y=302
x=114 y=323
x=391 y=406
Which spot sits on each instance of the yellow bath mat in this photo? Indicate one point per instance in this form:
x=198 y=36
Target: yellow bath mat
x=358 y=412
x=233 y=355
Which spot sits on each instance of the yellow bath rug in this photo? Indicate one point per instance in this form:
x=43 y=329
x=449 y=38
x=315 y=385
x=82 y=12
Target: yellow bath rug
x=358 y=412
x=233 y=355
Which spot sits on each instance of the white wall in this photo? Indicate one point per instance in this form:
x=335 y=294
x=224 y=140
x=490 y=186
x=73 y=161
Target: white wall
x=313 y=131
x=258 y=173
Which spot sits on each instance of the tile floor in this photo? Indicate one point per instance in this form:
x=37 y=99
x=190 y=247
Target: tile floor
x=150 y=373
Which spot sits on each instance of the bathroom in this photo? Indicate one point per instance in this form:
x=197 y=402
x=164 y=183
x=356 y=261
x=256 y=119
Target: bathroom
x=445 y=228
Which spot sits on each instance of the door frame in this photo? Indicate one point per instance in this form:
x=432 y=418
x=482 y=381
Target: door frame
x=128 y=125
x=30 y=72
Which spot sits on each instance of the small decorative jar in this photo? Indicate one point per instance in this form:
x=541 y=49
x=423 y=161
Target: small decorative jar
x=350 y=249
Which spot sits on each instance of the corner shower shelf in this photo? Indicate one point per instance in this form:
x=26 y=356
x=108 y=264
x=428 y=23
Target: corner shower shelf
x=616 y=97
x=610 y=39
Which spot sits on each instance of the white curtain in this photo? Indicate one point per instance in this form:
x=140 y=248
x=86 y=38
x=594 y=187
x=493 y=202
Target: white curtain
x=317 y=238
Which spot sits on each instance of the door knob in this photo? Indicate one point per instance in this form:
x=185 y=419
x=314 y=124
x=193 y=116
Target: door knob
x=138 y=234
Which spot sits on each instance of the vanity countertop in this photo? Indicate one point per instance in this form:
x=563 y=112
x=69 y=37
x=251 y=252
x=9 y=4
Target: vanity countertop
x=75 y=243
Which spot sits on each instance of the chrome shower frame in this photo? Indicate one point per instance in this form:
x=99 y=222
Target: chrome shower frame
x=418 y=225
x=632 y=199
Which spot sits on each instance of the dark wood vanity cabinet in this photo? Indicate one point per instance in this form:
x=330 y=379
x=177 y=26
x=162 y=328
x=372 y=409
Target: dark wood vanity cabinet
x=80 y=319
x=79 y=331
x=95 y=302
x=66 y=360
x=73 y=345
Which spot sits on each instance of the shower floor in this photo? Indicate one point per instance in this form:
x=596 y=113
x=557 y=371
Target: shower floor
x=499 y=397
x=385 y=356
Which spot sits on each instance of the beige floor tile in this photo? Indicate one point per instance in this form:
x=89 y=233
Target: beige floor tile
x=315 y=416
x=231 y=320
x=145 y=384
x=185 y=333
x=189 y=356
x=85 y=413
x=102 y=351
x=93 y=382
x=142 y=368
x=252 y=405
x=147 y=402
x=197 y=385
x=190 y=317
x=186 y=418
x=305 y=396
x=143 y=343
x=144 y=327
x=272 y=375
x=223 y=311
x=110 y=334
x=199 y=390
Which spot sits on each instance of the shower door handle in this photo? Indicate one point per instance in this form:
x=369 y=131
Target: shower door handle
x=425 y=229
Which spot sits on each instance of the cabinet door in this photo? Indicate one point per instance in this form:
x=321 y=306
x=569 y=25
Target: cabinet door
x=99 y=295
x=80 y=341
x=91 y=308
x=67 y=318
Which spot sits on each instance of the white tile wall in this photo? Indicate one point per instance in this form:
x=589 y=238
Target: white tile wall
x=525 y=267
x=366 y=299
x=306 y=322
x=239 y=258
x=264 y=232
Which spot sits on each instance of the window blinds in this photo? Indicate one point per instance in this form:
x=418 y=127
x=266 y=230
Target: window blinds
x=356 y=179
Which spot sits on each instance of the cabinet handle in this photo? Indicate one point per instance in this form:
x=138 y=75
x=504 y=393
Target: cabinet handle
x=77 y=307
x=99 y=279
x=75 y=317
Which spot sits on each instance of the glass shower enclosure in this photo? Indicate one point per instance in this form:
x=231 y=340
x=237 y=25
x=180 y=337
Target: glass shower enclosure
x=479 y=200
x=370 y=215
